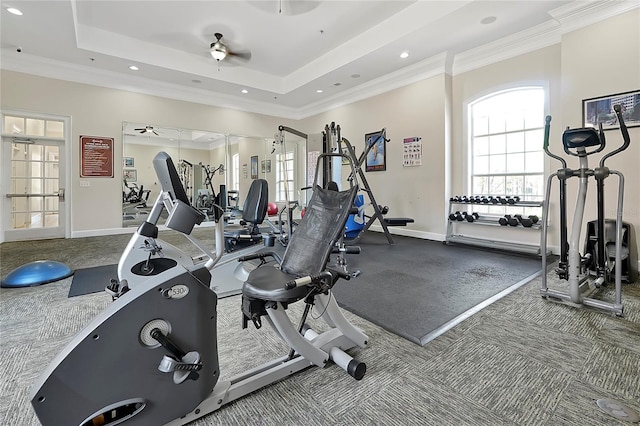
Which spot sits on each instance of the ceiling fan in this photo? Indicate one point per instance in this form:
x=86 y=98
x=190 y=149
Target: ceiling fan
x=147 y=129
x=219 y=50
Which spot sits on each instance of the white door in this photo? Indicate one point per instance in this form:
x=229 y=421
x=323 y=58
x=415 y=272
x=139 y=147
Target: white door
x=34 y=176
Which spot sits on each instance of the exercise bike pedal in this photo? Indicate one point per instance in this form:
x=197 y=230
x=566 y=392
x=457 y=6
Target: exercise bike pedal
x=356 y=273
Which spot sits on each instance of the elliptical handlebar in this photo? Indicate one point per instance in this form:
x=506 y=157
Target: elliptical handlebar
x=625 y=135
x=545 y=146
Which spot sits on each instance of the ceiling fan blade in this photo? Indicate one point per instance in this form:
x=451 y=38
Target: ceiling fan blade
x=244 y=55
x=155 y=133
x=140 y=129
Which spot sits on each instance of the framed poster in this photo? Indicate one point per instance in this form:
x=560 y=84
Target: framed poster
x=412 y=151
x=254 y=167
x=130 y=175
x=600 y=110
x=128 y=161
x=96 y=157
x=376 y=154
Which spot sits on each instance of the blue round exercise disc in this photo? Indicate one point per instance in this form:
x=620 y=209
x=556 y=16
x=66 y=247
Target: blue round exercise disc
x=36 y=273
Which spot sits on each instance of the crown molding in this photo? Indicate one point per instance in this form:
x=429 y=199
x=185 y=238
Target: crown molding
x=566 y=18
x=431 y=67
x=50 y=68
x=580 y=14
x=538 y=37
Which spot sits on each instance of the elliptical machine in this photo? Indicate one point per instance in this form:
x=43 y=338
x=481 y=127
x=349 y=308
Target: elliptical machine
x=583 y=278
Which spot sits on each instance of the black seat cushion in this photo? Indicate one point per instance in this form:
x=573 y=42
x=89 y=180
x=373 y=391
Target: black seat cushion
x=267 y=283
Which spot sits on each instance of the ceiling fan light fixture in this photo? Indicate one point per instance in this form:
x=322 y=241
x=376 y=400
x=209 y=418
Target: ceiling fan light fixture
x=218 y=51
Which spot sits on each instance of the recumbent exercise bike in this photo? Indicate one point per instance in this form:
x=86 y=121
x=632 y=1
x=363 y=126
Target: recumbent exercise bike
x=151 y=358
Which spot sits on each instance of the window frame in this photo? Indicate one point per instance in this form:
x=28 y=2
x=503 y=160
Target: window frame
x=539 y=174
x=280 y=188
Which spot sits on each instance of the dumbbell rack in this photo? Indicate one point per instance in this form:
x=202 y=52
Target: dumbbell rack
x=491 y=220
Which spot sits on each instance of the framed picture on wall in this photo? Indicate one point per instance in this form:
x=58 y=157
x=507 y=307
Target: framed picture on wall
x=376 y=153
x=254 y=167
x=128 y=162
x=130 y=175
x=600 y=110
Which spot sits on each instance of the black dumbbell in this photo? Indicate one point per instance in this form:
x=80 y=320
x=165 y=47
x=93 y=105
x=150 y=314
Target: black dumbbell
x=456 y=216
x=534 y=218
x=495 y=200
x=525 y=221
x=471 y=217
x=503 y=200
x=513 y=200
x=508 y=220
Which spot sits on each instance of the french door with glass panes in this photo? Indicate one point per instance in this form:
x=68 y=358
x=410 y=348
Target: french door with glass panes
x=33 y=172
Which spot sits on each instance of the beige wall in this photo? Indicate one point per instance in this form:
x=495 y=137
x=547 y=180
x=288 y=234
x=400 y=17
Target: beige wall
x=99 y=111
x=604 y=59
x=600 y=59
x=418 y=109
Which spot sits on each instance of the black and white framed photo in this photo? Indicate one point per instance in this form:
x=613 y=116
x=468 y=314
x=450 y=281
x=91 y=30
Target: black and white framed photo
x=600 y=110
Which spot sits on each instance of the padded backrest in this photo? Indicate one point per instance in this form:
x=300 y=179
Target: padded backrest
x=319 y=230
x=255 y=205
x=183 y=216
x=168 y=176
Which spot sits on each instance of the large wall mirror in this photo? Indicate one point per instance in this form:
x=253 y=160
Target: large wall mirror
x=205 y=160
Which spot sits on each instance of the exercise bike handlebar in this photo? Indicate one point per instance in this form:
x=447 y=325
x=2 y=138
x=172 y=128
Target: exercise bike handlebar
x=625 y=135
x=314 y=279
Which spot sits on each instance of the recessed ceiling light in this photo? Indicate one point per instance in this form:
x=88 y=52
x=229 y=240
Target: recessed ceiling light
x=355 y=75
x=14 y=11
x=488 y=20
x=337 y=84
x=196 y=81
x=244 y=91
x=133 y=68
x=319 y=91
x=404 y=55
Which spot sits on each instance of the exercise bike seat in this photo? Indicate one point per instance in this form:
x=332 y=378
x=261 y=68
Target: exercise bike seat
x=268 y=283
x=253 y=213
x=306 y=255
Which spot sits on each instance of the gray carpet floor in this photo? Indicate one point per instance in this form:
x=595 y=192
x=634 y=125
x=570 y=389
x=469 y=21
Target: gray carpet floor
x=520 y=361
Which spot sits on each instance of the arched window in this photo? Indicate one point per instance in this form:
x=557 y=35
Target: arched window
x=505 y=146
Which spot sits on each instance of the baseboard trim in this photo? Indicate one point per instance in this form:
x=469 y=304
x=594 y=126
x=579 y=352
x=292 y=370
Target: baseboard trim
x=408 y=232
x=102 y=232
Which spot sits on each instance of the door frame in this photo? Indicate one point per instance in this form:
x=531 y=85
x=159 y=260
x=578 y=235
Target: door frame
x=65 y=181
